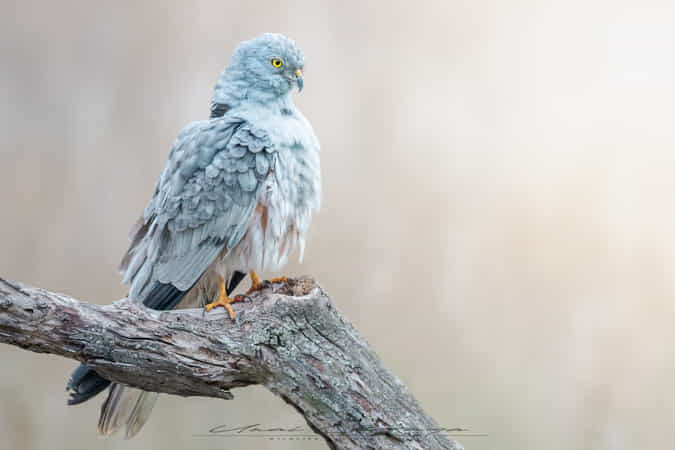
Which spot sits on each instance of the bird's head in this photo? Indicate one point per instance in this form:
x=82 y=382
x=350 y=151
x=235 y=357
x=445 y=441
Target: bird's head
x=264 y=67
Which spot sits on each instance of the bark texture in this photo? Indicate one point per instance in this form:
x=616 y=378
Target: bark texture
x=288 y=337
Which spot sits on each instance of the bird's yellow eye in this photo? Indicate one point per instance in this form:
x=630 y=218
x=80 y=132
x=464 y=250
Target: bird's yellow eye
x=276 y=62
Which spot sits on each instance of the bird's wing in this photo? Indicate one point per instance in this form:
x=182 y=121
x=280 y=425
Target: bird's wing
x=202 y=204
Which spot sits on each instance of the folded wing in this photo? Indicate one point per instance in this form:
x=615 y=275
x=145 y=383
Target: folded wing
x=202 y=205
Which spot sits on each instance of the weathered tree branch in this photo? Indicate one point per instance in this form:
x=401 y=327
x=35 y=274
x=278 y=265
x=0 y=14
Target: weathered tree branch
x=289 y=338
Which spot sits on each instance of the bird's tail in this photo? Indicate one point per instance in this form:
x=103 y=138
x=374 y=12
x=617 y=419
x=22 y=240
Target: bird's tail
x=126 y=408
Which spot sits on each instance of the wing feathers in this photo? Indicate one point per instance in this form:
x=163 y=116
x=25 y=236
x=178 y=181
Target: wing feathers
x=203 y=203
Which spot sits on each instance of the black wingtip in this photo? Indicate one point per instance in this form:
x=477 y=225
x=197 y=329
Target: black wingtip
x=164 y=296
x=218 y=110
x=234 y=281
x=84 y=384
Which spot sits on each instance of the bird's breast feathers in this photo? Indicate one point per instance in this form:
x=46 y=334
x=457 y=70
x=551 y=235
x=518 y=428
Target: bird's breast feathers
x=288 y=195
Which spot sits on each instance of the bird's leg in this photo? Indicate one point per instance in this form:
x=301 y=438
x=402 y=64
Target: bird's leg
x=256 y=283
x=223 y=299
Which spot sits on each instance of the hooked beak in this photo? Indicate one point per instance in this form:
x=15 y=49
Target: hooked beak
x=299 y=79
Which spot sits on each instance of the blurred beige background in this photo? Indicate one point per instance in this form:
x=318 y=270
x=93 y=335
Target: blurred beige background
x=498 y=215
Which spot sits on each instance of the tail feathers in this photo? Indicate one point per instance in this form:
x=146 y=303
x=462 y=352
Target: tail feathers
x=84 y=383
x=126 y=408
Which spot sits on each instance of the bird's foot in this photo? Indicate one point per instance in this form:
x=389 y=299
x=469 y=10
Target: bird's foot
x=278 y=280
x=257 y=284
x=224 y=300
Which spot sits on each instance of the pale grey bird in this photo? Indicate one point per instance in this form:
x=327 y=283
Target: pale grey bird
x=236 y=196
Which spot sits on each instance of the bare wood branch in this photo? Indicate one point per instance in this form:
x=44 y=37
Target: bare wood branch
x=289 y=338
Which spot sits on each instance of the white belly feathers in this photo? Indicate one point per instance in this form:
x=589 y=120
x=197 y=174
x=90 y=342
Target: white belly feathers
x=274 y=231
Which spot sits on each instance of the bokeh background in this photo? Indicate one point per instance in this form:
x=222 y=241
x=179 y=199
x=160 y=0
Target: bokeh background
x=498 y=215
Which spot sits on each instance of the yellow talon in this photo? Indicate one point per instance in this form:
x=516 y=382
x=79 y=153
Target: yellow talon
x=223 y=300
x=256 y=283
x=278 y=280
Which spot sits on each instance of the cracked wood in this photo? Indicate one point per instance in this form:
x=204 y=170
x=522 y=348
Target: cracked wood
x=288 y=338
